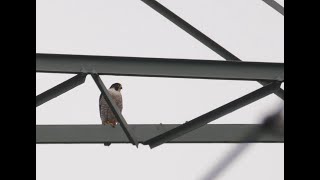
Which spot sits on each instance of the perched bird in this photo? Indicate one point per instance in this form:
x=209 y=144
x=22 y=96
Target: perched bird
x=106 y=114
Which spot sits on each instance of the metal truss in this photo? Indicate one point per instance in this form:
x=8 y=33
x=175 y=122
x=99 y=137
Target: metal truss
x=213 y=115
x=194 y=32
x=197 y=130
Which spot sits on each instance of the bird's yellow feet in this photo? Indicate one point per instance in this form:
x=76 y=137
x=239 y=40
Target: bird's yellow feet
x=112 y=123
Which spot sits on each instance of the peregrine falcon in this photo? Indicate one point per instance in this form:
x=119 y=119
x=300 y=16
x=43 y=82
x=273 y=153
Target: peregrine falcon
x=106 y=114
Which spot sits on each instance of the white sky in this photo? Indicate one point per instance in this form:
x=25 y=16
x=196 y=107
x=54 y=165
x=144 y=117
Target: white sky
x=250 y=29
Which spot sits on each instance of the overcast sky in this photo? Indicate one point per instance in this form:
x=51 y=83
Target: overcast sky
x=250 y=29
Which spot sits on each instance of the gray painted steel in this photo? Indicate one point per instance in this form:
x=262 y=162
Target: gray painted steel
x=156 y=67
x=60 y=89
x=213 y=115
x=96 y=134
x=201 y=37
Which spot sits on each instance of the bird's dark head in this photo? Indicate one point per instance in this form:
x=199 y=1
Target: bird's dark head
x=116 y=86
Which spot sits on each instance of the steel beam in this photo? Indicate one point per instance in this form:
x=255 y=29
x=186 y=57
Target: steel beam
x=194 y=32
x=60 y=89
x=96 y=134
x=157 y=67
x=201 y=37
x=115 y=110
x=276 y=6
x=213 y=115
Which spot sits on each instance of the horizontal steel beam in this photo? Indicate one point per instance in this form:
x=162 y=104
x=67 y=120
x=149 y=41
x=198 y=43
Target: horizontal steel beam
x=96 y=134
x=60 y=89
x=159 y=67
